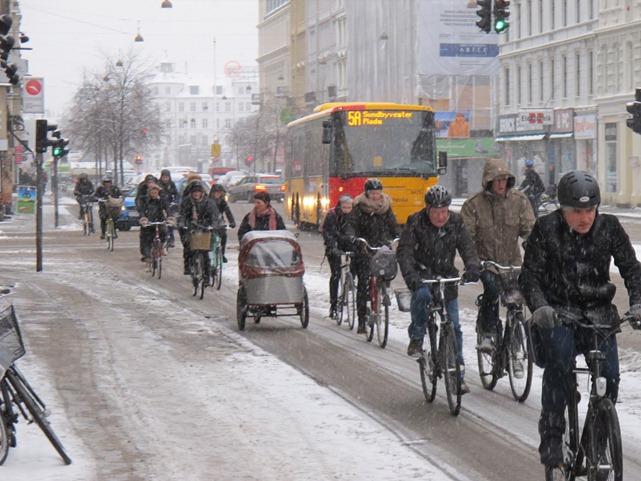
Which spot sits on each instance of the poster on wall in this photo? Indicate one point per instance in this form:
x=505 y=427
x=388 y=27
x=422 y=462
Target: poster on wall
x=26 y=199
x=453 y=125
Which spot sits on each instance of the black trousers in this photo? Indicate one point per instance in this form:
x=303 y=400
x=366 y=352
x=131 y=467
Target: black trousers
x=489 y=309
x=361 y=267
x=334 y=262
x=147 y=235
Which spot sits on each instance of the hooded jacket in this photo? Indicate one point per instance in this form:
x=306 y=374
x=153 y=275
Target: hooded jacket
x=374 y=222
x=335 y=230
x=169 y=189
x=495 y=222
x=570 y=271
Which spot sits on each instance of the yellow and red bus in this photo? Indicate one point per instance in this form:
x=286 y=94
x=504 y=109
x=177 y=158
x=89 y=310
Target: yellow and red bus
x=333 y=151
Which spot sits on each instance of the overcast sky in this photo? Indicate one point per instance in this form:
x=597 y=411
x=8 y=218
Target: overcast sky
x=70 y=37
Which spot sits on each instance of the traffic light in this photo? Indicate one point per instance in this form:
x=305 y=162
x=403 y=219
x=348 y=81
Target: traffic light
x=501 y=13
x=58 y=145
x=41 y=136
x=485 y=12
x=7 y=43
x=634 y=108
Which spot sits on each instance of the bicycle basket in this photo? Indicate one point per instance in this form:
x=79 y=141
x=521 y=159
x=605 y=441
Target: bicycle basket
x=403 y=299
x=114 y=202
x=200 y=241
x=11 y=345
x=383 y=264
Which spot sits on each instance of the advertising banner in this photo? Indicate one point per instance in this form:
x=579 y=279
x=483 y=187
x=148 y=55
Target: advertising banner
x=453 y=124
x=26 y=199
x=469 y=148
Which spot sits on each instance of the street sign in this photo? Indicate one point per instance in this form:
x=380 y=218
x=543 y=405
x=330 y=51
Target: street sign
x=215 y=150
x=33 y=96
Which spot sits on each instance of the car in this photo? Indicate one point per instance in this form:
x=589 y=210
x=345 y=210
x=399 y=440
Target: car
x=129 y=216
x=232 y=178
x=250 y=184
x=181 y=183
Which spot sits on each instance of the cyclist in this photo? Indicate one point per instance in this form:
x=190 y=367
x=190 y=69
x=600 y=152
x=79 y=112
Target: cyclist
x=567 y=267
x=170 y=193
x=198 y=210
x=336 y=240
x=262 y=217
x=154 y=210
x=495 y=218
x=373 y=220
x=104 y=191
x=217 y=194
x=142 y=194
x=426 y=250
x=84 y=187
x=532 y=184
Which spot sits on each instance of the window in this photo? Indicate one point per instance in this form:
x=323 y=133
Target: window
x=182 y=139
x=552 y=14
x=517 y=21
x=227 y=106
x=155 y=90
x=540 y=16
x=167 y=107
x=578 y=11
x=192 y=140
x=564 y=13
x=217 y=123
x=241 y=107
x=248 y=106
x=529 y=84
x=192 y=106
x=217 y=106
x=182 y=123
x=564 y=73
x=205 y=123
x=541 y=82
x=228 y=123
x=518 y=85
x=506 y=73
x=629 y=53
x=193 y=90
x=181 y=107
x=590 y=72
x=205 y=106
x=529 y=17
x=219 y=89
x=167 y=90
x=591 y=9
x=578 y=74
x=552 y=79
x=192 y=124
x=272 y=5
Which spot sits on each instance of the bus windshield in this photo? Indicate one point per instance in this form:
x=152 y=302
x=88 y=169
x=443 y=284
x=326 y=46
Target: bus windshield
x=385 y=142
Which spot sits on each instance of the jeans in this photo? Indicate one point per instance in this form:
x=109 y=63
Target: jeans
x=421 y=298
x=489 y=309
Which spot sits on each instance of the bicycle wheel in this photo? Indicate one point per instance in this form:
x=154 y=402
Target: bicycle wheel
x=37 y=411
x=372 y=310
x=519 y=358
x=91 y=228
x=195 y=273
x=489 y=368
x=427 y=364
x=351 y=301
x=110 y=235
x=219 y=268
x=304 y=310
x=340 y=302
x=241 y=308
x=382 y=318
x=85 y=223
x=159 y=266
x=604 y=455
x=4 y=439
x=203 y=278
x=450 y=369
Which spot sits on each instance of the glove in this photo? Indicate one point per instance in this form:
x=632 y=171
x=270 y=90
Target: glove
x=635 y=316
x=545 y=317
x=143 y=221
x=232 y=225
x=413 y=284
x=471 y=275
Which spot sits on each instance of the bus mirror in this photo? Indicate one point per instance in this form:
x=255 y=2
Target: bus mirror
x=442 y=163
x=327 y=132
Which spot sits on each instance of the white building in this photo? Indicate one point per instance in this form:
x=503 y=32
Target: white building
x=195 y=115
x=547 y=86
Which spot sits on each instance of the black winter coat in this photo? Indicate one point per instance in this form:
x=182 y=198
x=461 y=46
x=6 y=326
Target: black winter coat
x=336 y=230
x=83 y=188
x=206 y=213
x=533 y=183
x=376 y=229
x=169 y=191
x=426 y=251
x=223 y=208
x=570 y=271
x=155 y=210
x=103 y=193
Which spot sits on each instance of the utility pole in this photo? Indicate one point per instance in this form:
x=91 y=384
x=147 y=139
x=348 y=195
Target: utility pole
x=39 y=208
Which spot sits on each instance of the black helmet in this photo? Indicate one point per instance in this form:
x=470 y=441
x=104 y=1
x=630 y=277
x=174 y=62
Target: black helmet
x=107 y=179
x=373 y=184
x=438 y=196
x=218 y=188
x=578 y=189
x=197 y=187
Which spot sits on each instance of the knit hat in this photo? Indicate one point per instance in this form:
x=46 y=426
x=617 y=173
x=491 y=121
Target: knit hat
x=262 y=195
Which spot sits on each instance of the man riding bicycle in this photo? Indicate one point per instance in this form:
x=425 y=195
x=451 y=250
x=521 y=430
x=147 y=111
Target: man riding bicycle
x=197 y=212
x=155 y=209
x=83 y=188
x=495 y=218
x=217 y=194
x=426 y=250
x=336 y=238
x=104 y=192
x=532 y=185
x=373 y=220
x=567 y=269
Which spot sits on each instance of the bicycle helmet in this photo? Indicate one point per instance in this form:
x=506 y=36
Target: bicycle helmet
x=529 y=163
x=107 y=179
x=218 y=188
x=373 y=184
x=438 y=196
x=578 y=189
x=196 y=187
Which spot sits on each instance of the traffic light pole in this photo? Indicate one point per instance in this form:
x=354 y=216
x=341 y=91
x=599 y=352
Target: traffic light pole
x=39 y=212
x=54 y=187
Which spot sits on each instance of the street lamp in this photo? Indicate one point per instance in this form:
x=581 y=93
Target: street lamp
x=166 y=4
x=138 y=37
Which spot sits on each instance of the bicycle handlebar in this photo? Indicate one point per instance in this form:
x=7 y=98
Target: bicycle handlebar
x=443 y=280
x=569 y=318
x=374 y=249
x=499 y=266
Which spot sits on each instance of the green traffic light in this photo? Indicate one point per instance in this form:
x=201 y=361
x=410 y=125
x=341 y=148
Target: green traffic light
x=57 y=151
x=500 y=26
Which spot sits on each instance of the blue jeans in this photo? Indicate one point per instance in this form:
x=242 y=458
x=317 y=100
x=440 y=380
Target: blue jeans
x=421 y=298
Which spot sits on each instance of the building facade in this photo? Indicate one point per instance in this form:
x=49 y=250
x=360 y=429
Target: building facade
x=274 y=51
x=196 y=115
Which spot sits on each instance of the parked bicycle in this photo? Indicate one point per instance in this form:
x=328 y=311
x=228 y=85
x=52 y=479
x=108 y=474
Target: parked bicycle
x=113 y=206
x=441 y=358
x=158 y=249
x=595 y=450
x=346 y=302
x=86 y=213
x=17 y=396
x=513 y=350
x=383 y=269
x=200 y=244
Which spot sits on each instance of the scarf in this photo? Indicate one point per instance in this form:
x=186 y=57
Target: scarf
x=368 y=206
x=269 y=212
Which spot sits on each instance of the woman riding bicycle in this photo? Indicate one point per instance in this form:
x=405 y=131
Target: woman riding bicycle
x=373 y=220
x=104 y=191
x=426 y=250
x=155 y=210
x=336 y=242
x=567 y=267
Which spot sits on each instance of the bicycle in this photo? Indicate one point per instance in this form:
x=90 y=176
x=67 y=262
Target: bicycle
x=199 y=244
x=86 y=213
x=216 y=259
x=442 y=358
x=157 y=249
x=112 y=207
x=383 y=269
x=17 y=396
x=595 y=451
x=513 y=348
x=346 y=302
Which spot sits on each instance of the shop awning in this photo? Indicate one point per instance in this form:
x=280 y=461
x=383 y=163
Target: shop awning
x=565 y=135
x=520 y=138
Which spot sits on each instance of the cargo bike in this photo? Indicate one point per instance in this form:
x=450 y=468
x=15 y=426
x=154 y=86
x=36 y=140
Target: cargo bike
x=271 y=269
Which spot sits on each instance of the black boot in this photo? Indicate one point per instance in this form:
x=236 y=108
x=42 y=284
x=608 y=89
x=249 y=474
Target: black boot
x=551 y=430
x=333 y=313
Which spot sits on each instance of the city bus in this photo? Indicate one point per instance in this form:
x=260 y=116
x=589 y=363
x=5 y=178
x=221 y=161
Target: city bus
x=334 y=150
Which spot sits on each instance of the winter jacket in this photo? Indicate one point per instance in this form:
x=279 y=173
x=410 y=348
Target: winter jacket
x=532 y=184
x=83 y=188
x=494 y=222
x=102 y=192
x=170 y=193
x=571 y=271
x=205 y=213
x=374 y=223
x=223 y=208
x=426 y=251
x=335 y=230
x=155 y=210
x=261 y=222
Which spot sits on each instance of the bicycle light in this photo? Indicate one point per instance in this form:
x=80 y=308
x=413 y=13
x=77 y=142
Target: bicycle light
x=600 y=385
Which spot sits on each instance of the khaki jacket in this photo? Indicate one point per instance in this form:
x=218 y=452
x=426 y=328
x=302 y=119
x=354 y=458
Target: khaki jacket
x=495 y=223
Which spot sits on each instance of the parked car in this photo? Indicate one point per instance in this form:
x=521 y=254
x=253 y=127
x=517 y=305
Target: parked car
x=232 y=178
x=250 y=184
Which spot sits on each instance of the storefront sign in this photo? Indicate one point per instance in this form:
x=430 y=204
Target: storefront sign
x=563 y=120
x=585 y=126
x=507 y=124
x=534 y=119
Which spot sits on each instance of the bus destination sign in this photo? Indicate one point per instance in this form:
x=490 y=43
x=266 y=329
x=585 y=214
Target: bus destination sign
x=362 y=118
